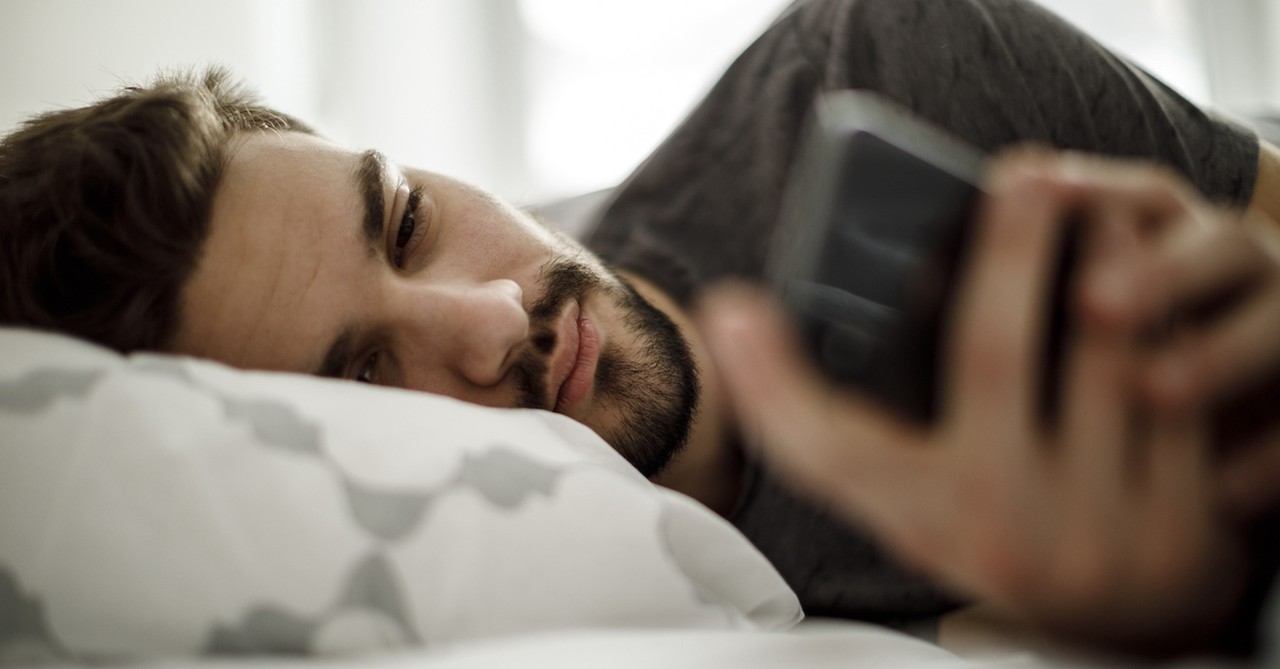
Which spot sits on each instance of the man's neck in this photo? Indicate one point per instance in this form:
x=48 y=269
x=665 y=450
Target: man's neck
x=709 y=469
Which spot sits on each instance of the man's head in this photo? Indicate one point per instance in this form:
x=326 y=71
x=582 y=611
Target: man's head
x=186 y=217
x=103 y=208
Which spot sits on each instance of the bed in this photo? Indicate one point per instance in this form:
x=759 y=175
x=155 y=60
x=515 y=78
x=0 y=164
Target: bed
x=181 y=513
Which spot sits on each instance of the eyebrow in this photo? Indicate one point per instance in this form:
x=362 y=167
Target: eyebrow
x=370 y=175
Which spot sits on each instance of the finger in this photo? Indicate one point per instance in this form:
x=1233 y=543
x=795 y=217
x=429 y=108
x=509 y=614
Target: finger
x=1000 y=316
x=1228 y=357
x=1127 y=208
x=1154 y=203
x=1236 y=347
x=1094 y=445
x=1200 y=263
x=1155 y=192
x=1177 y=507
x=1175 y=469
x=1107 y=302
x=1095 y=430
x=844 y=449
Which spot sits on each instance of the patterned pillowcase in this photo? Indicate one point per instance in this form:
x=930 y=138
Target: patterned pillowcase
x=154 y=505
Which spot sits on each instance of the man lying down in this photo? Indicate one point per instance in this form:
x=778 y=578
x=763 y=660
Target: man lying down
x=184 y=216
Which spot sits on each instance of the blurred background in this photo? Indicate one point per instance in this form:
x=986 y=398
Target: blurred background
x=532 y=99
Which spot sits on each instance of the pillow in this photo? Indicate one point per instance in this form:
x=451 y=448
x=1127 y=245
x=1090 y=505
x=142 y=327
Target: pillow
x=154 y=505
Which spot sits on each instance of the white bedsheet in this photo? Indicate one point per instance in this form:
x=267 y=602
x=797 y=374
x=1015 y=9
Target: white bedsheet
x=828 y=645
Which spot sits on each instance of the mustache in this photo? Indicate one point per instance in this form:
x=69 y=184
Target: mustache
x=563 y=279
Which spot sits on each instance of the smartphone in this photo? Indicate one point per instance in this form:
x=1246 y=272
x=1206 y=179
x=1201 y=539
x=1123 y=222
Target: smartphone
x=873 y=230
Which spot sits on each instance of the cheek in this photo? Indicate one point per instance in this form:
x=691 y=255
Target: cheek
x=493 y=241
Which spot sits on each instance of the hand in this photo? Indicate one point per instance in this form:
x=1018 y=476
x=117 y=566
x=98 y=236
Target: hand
x=1225 y=357
x=1105 y=527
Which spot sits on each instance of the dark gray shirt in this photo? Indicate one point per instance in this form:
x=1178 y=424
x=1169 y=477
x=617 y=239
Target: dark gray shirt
x=994 y=72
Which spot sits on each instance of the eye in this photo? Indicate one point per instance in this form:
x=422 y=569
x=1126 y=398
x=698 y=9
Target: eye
x=408 y=226
x=368 y=370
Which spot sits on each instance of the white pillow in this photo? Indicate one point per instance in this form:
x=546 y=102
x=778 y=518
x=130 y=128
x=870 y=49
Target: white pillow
x=154 y=505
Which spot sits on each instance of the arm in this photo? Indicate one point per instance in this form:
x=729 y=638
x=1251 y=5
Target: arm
x=1266 y=189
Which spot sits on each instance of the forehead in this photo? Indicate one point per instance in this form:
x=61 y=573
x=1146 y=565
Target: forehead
x=283 y=254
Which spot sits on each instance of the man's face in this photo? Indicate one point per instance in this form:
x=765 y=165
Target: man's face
x=337 y=263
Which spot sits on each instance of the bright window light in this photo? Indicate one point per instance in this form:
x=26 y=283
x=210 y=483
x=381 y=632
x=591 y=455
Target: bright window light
x=608 y=81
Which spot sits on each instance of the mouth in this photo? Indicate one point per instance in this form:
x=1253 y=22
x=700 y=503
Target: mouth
x=573 y=364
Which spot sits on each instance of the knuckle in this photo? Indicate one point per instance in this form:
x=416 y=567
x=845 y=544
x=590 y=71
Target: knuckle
x=1012 y=167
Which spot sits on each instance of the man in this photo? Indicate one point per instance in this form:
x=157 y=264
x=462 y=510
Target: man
x=187 y=218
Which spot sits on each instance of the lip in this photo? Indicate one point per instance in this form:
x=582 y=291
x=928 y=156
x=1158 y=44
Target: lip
x=573 y=366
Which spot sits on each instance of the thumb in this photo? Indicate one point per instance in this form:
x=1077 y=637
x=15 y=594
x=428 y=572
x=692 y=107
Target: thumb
x=815 y=434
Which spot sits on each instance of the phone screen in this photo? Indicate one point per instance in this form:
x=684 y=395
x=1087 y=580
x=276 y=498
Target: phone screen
x=872 y=239
x=872 y=232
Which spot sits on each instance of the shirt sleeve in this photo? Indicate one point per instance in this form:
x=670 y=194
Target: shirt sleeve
x=1002 y=72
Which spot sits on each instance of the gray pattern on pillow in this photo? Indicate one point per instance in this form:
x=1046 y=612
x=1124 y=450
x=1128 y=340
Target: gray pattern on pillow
x=156 y=506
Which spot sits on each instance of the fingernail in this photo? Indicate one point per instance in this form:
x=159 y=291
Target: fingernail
x=1073 y=168
x=730 y=328
x=1113 y=267
x=729 y=338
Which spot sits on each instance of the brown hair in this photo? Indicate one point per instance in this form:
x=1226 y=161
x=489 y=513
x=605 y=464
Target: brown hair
x=104 y=208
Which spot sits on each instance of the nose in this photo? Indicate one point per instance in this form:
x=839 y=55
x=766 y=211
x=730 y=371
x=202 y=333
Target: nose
x=476 y=329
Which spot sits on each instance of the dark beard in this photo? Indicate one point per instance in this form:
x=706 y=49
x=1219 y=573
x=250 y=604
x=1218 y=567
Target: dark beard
x=655 y=391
